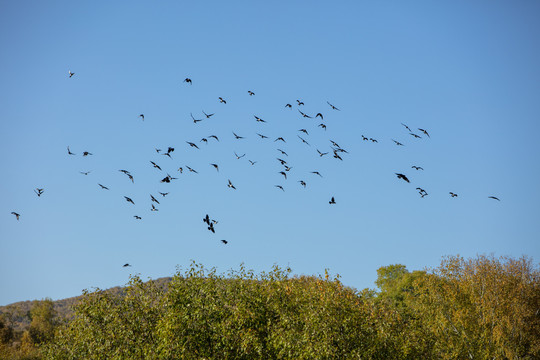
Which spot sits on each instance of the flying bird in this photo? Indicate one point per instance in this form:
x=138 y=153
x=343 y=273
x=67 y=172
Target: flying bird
x=188 y=80
x=130 y=178
x=237 y=136
x=230 y=185
x=207 y=115
x=251 y=93
x=163 y=194
x=69 y=152
x=279 y=187
x=259 y=119
x=129 y=200
x=494 y=198
x=205 y=140
x=137 y=217
x=321 y=154
x=284 y=174
x=316 y=173
x=192 y=144
x=401 y=176
x=221 y=100
x=262 y=136
x=417 y=167
x=415 y=135
x=153 y=199
x=194 y=120
x=332 y=106
x=70 y=73
x=126 y=265
x=215 y=166
x=299 y=102
x=157 y=150
x=191 y=170
x=214 y=137
x=453 y=194
x=154 y=208
x=103 y=187
x=406 y=127
x=224 y=241
x=211 y=228
x=398 y=143
x=303 y=140
x=238 y=157
x=319 y=115
x=283 y=152
x=280 y=139
x=39 y=191
x=252 y=162
x=304 y=131
x=142 y=117
x=303 y=183
x=305 y=115
x=16 y=215
x=206 y=219
x=322 y=126
x=86 y=153
x=424 y=131
x=288 y=106
x=337 y=156
x=155 y=165
x=332 y=201
x=85 y=172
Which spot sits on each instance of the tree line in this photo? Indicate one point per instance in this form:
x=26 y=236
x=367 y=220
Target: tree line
x=478 y=308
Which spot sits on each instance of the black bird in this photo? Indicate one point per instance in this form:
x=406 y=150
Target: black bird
x=155 y=165
x=299 y=102
x=70 y=73
x=283 y=162
x=416 y=136
x=211 y=228
x=316 y=173
x=170 y=150
x=192 y=144
x=142 y=117
x=373 y=140
x=453 y=194
x=157 y=150
x=85 y=172
x=494 y=198
x=398 y=143
x=86 y=153
x=180 y=169
x=335 y=144
x=163 y=194
x=205 y=140
x=287 y=168
x=417 y=167
x=39 y=191
x=303 y=183
x=221 y=100
x=364 y=138
x=188 y=80
x=237 y=136
x=259 y=119
x=401 y=176
x=279 y=187
x=126 y=265
x=154 y=208
x=207 y=115
x=280 y=139
x=69 y=152
x=322 y=126
x=251 y=93
x=129 y=200
x=406 y=127
x=130 y=178
x=332 y=201
x=137 y=217
x=16 y=215
x=262 y=136
x=288 y=106
x=195 y=120
x=191 y=170
x=303 y=140
x=167 y=154
x=238 y=157
x=103 y=187
x=230 y=185
x=252 y=162
x=214 y=136
x=166 y=180
x=319 y=115
x=305 y=115
x=215 y=166
x=283 y=152
x=224 y=241
x=332 y=106
x=337 y=156
x=424 y=131
x=304 y=131
x=321 y=153
x=284 y=174
x=206 y=219
x=153 y=199
x=124 y=171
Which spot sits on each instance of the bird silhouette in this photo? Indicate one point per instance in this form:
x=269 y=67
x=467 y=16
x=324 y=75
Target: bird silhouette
x=204 y=140
x=206 y=219
x=192 y=144
x=415 y=135
x=252 y=162
x=453 y=194
x=406 y=127
x=17 y=215
x=403 y=177
x=70 y=73
x=288 y=106
x=157 y=150
x=305 y=115
x=262 y=136
x=164 y=194
x=237 y=136
x=137 y=217
x=304 y=131
x=126 y=265
x=69 y=152
x=215 y=166
x=191 y=170
x=142 y=117
x=103 y=187
x=283 y=162
x=332 y=106
x=259 y=119
x=188 y=80
x=303 y=183
x=39 y=191
x=230 y=185
x=207 y=115
x=154 y=208
x=155 y=165
x=332 y=201
x=283 y=152
x=424 y=131
x=221 y=100
x=280 y=139
x=319 y=115
x=279 y=187
x=494 y=198
x=86 y=153
x=238 y=157
x=397 y=142
x=322 y=126
x=224 y=241
x=251 y=93
x=214 y=137
x=299 y=102
x=153 y=199
x=129 y=200
x=417 y=167
x=85 y=172
x=211 y=228
x=337 y=156
x=303 y=140
x=284 y=174
x=195 y=120
x=321 y=154
x=316 y=173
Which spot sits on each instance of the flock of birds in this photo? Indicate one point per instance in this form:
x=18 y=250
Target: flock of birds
x=336 y=150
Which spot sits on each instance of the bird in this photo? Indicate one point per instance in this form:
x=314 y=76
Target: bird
x=39 y=191
x=303 y=183
x=251 y=93
x=337 y=156
x=288 y=106
x=86 y=153
x=280 y=139
x=415 y=135
x=224 y=241
x=304 y=131
x=129 y=200
x=70 y=73
x=287 y=168
x=283 y=152
x=332 y=201
x=316 y=173
x=406 y=127
x=284 y=174
x=237 y=136
x=124 y=171
x=163 y=194
x=417 y=167
x=69 y=152
x=206 y=219
x=137 y=217
x=192 y=144
x=191 y=170
x=154 y=208
x=153 y=199
x=126 y=265
x=214 y=137
x=303 y=140
x=155 y=165
x=17 y=215
x=283 y=162
x=364 y=138
x=321 y=154
x=230 y=185
x=398 y=143
x=238 y=157
x=322 y=126
x=332 y=106
x=207 y=115
x=279 y=187
x=103 y=187
x=262 y=136
x=453 y=194
x=180 y=169
x=215 y=166
x=299 y=102
x=401 y=176
x=188 y=80
x=211 y=228
x=373 y=140
x=142 y=116
x=259 y=119
x=494 y=198
x=194 y=120
x=130 y=178
x=252 y=162
x=157 y=150
x=166 y=180
x=205 y=140
x=85 y=172
x=424 y=131
x=170 y=150
x=305 y=115
x=221 y=100
x=319 y=115
x=335 y=144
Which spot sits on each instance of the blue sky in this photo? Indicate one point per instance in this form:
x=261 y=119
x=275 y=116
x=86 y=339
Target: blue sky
x=465 y=71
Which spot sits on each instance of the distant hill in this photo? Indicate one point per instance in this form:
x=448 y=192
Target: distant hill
x=19 y=313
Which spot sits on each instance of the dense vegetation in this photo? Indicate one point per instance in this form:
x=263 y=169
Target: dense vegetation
x=481 y=308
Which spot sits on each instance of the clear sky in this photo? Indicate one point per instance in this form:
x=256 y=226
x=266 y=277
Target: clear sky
x=465 y=71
